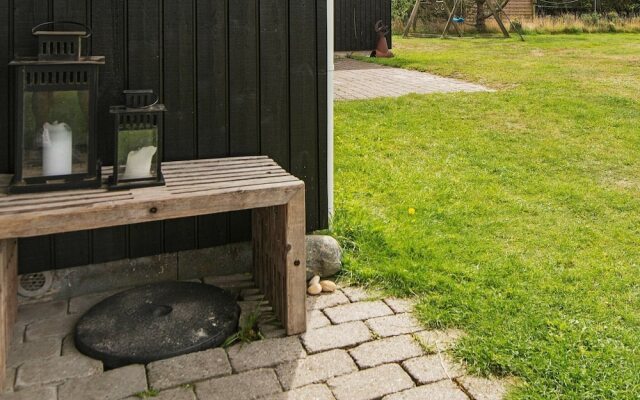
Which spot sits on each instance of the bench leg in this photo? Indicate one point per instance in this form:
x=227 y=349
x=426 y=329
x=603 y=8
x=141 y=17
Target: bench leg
x=8 y=299
x=279 y=260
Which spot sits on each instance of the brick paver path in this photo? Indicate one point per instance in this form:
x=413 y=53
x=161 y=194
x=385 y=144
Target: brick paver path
x=357 y=80
x=359 y=346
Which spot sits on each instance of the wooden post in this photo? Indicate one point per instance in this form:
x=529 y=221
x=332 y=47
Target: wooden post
x=279 y=259
x=412 y=18
x=8 y=299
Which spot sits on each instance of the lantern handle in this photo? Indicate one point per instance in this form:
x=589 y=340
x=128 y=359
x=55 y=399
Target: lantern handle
x=86 y=36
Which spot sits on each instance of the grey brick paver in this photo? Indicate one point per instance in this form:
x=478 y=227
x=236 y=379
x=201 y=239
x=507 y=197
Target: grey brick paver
x=29 y=313
x=312 y=392
x=371 y=383
x=393 y=325
x=37 y=350
x=440 y=340
x=432 y=368
x=378 y=352
x=482 y=388
x=250 y=385
x=81 y=304
x=356 y=293
x=315 y=368
x=188 y=368
x=56 y=370
x=357 y=311
x=326 y=300
x=444 y=390
x=111 y=385
x=400 y=306
x=357 y=80
x=265 y=353
x=317 y=319
x=69 y=345
x=41 y=393
x=336 y=336
x=57 y=327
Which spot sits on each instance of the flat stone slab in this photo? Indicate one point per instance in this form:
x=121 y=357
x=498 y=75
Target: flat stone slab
x=316 y=319
x=371 y=383
x=315 y=368
x=357 y=311
x=56 y=370
x=482 y=388
x=439 y=340
x=81 y=304
x=325 y=300
x=41 y=393
x=188 y=368
x=336 y=336
x=37 y=312
x=357 y=80
x=111 y=385
x=265 y=353
x=40 y=349
x=393 y=325
x=356 y=293
x=400 y=306
x=378 y=352
x=56 y=327
x=245 y=386
x=444 y=390
x=312 y=392
x=432 y=368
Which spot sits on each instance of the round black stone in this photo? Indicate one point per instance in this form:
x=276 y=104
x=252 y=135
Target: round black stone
x=155 y=322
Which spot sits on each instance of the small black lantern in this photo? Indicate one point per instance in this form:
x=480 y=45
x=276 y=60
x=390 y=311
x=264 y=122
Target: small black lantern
x=138 y=141
x=55 y=129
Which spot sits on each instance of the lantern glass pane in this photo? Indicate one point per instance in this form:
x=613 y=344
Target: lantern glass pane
x=137 y=153
x=55 y=133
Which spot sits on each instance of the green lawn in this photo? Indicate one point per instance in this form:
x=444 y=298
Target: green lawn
x=527 y=226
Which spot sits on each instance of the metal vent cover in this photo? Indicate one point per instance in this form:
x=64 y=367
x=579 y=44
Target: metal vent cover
x=34 y=285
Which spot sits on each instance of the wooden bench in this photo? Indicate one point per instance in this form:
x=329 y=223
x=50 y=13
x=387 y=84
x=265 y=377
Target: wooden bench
x=192 y=188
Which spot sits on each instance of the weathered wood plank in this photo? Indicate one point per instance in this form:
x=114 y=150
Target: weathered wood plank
x=146 y=209
x=296 y=270
x=8 y=300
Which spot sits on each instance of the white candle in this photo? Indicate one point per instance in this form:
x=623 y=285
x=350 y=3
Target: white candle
x=57 y=149
x=139 y=163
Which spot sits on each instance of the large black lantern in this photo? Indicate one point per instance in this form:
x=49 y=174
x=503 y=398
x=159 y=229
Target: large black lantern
x=138 y=141
x=55 y=130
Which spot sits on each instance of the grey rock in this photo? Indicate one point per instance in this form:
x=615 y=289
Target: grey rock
x=324 y=256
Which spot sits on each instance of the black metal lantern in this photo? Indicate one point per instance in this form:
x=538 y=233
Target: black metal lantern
x=138 y=141
x=55 y=130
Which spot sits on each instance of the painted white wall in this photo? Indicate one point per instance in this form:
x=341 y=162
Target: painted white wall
x=330 y=69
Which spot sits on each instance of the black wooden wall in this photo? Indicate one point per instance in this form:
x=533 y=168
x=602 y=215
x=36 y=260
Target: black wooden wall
x=239 y=77
x=354 y=23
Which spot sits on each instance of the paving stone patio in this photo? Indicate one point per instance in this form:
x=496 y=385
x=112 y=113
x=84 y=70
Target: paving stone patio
x=359 y=346
x=357 y=80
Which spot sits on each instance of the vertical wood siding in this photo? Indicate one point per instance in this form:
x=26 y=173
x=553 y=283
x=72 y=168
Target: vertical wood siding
x=354 y=23
x=238 y=77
